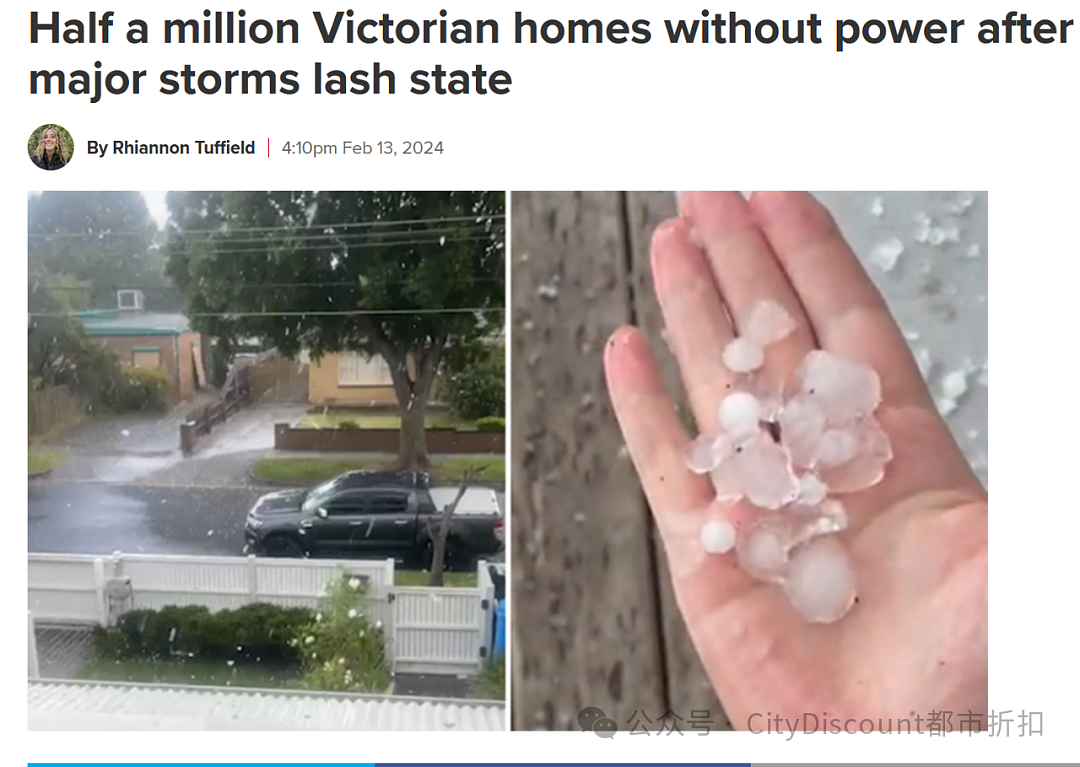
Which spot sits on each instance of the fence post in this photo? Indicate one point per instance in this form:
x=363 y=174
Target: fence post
x=253 y=579
x=99 y=591
x=387 y=579
x=35 y=667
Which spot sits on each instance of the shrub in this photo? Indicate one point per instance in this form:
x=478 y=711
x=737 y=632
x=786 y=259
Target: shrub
x=348 y=424
x=343 y=650
x=491 y=423
x=141 y=390
x=257 y=632
x=490 y=684
x=474 y=384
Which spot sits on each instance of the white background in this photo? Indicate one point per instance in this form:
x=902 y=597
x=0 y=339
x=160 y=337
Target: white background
x=999 y=118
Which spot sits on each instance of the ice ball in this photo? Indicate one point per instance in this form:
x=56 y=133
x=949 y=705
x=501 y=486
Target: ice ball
x=820 y=580
x=844 y=389
x=743 y=355
x=873 y=451
x=802 y=422
x=718 y=537
x=836 y=447
x=740 y=415
x=768 y=323
x=812 y=491
x=765 y=473
x=762 y=552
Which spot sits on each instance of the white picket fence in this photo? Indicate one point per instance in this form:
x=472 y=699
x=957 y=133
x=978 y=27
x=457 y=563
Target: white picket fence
x=432 y=630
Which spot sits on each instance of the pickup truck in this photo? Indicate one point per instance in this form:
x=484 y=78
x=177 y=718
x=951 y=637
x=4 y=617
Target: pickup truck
x=374 y=515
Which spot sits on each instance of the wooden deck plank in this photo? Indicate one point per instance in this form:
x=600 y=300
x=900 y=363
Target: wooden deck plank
x=688 y=688
x=585 y=608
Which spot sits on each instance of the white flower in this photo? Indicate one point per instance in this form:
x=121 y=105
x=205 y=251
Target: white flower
x=352 y=613
x=361 y=633
x=341 y=661
x=309 y=640
x=354 y=583
x=378 y=624
x=318 y=617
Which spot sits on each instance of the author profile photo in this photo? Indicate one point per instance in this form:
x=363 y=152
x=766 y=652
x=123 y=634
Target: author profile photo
x=50 y=147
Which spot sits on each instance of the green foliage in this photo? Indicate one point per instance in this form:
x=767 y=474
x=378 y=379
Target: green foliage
x=103 y=241
x=348 y=424
x=343 y=650
x=490 y=684
x=140 y=390
x=257 y=632
x=474 y=381
x=491 y=423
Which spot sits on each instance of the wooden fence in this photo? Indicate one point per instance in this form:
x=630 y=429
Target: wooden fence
x=595 y=620
x=51 y=410
x=276 y=379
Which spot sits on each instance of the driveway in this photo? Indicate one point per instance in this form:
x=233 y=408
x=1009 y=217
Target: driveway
x=133 y=449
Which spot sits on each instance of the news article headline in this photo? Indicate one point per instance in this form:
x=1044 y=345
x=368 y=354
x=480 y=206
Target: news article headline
x=237 y=28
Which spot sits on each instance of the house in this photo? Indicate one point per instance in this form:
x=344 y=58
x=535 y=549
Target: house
x=352 y=379
x=151 y=339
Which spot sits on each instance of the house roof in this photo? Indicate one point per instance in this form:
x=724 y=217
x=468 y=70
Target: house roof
x=116 y=322
x=71 y=705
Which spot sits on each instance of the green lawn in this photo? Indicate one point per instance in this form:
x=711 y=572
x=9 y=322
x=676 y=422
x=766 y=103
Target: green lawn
x=379 y=420
x=189 y=672
x=309 y=470
x=420 y=578
x=43 y=460
x=490 y=684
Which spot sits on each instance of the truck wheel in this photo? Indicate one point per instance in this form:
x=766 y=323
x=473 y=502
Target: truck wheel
x=283 y=546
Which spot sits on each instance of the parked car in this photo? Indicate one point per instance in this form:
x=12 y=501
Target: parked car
x=375 y=515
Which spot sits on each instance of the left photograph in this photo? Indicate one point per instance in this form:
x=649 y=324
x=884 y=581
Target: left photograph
x=266 y=482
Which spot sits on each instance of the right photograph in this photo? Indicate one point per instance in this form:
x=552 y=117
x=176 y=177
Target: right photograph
x=749 y=458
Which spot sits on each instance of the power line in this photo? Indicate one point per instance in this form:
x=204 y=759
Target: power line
x=253 y=286
x=433 y=235
x=348 y=313
x=345 y=225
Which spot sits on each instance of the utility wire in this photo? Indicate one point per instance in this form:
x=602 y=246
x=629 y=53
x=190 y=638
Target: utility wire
x=219 y=231
x=348 y=313
x=252 y=286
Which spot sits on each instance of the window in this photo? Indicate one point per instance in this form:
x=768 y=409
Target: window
x=146 y=358
x=354 y=369
x=387 y=503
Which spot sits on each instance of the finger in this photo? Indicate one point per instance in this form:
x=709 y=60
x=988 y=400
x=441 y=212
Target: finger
x=695 y=320
x=746 y=270
x=848 y=314
x=680 y=500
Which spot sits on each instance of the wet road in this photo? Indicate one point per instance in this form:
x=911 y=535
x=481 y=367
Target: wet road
x=99 y=518
x=92 y=518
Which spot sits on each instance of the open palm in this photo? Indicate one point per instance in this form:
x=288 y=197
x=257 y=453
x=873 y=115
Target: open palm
x=915 y=643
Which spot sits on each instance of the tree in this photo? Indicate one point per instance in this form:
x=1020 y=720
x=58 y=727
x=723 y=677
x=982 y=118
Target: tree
x=440 y=535
x=103 y=241
x=408 y=276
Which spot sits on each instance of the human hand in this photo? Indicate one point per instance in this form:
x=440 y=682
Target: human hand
x=916 y=640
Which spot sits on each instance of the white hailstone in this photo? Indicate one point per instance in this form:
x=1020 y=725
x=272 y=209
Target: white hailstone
x=952 y=233
x=740 y=416
x=984 y=378
x=924 y=361
x=762 y=552
x=706 y=453
x=765 y=474
x=812 y=491
x=877 y=208
x=769 y=323
x=845 y=390
x=973 y=251
x=886 y=254
x=936 y=236
x=802 y=423
x=836 y=447
x=717 y=537
x=867 y=468
x=820 y=580
x=955 y=384
x=726 y=481
x=742 y=355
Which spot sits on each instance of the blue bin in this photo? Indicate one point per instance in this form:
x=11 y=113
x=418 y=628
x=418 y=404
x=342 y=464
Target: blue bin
x=500 y=629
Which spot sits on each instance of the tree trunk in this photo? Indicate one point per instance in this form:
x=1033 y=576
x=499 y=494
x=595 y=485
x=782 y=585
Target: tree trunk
x=438 y=557
x=412 y=395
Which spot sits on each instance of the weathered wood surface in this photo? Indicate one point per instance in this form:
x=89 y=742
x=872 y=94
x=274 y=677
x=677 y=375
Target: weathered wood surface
x=594 y=619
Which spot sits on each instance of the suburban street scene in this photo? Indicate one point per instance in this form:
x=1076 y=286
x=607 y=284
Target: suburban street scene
x=240 y=401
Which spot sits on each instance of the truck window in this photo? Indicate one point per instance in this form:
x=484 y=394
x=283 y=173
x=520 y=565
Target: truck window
x=386 y=503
